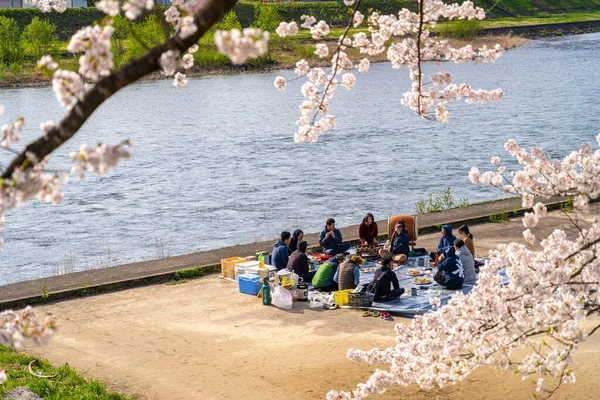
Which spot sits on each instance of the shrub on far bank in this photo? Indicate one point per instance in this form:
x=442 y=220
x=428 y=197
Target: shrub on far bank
x=38 y=37
x=266 y=17
x=461 y=29
x=10 y=41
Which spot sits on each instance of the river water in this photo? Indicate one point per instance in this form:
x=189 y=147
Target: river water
x=215 y=163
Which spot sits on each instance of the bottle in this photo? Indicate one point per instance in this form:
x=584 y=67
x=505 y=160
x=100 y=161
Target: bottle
x=261 y=261
x=266 y=292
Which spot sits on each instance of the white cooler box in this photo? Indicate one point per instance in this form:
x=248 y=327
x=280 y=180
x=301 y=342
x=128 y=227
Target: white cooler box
x=256 y=270
x=242 y=268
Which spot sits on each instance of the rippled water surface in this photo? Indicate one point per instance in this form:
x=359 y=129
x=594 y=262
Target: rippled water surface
x=215 y=163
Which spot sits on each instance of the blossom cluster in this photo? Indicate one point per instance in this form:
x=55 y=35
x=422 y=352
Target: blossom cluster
x=407 y=40
x=239 y=46
x=94 y=42
x=11 y=133
x=98 y=159
x=20 y=327
x=551 y=290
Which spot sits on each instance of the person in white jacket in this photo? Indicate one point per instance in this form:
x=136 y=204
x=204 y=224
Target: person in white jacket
x=466 y=258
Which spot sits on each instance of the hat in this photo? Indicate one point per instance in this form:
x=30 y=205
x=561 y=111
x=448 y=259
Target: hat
x=400 y=258
x=357 y=259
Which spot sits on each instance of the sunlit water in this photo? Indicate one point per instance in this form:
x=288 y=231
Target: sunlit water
x=215 y=163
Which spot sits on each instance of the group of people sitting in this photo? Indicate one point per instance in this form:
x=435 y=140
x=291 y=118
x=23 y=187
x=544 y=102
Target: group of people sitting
x=454 y=258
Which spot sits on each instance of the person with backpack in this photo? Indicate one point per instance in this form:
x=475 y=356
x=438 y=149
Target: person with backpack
x=384 y=280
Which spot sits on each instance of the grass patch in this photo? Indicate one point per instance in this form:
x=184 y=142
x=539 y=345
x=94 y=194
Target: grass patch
x=498 y=218
x=438 y=202
x=66 y=385
x=190 y=273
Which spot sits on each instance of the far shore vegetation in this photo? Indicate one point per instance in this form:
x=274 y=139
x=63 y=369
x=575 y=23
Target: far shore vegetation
x=25 y=42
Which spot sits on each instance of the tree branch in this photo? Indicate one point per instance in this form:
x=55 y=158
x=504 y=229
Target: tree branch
x=209 y=13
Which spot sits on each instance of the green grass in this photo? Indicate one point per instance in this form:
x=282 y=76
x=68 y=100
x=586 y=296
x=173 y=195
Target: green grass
x=67 y=385
x=542 y=18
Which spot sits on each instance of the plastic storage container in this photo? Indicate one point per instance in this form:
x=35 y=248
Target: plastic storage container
x=243 y=268
x=256 y=270
x=249 y=284
x=341 y=297
x=227 y=266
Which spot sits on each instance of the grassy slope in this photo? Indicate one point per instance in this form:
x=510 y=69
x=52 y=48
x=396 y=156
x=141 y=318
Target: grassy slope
x=67 y=385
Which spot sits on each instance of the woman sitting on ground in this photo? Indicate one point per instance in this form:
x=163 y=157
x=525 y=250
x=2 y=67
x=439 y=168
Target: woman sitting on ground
x=399 y=242
x=464 y=233
x=297 y=237
x=368 y=231
x=383 y=279
x=298 y=262
x=466 y=259
x=348 y=274
x=323 y=279
x=450 y=273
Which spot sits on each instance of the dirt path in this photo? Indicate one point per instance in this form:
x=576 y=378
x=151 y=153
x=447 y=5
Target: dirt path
x=204 y=340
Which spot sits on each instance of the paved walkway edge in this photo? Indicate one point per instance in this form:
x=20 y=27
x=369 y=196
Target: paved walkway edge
x=193 y=265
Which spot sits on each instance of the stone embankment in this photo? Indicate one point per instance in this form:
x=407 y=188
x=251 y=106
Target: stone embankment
x=557 y=29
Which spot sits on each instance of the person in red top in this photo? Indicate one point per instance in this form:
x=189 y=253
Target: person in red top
x=368 y=231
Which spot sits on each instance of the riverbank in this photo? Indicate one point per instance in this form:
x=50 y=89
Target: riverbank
x=80 y=284
x=204 y=340
x=283 y=55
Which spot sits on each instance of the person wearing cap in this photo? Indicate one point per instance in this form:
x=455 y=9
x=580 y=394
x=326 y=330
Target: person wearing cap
x=331 y=239
x=348 y=274
x=384 y=279
x=399 y=242
x=323 y=279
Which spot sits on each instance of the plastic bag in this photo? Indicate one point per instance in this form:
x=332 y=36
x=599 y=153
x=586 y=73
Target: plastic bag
x=282 y=298
x=318 y=300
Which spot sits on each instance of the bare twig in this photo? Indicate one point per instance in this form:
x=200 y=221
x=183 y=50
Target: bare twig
x=39 y=375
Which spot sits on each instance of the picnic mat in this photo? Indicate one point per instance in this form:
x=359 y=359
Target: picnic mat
x=413 y=305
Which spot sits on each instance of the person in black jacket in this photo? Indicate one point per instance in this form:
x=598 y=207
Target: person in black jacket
x=400 y=241
x=298 y=262
x=384 y=279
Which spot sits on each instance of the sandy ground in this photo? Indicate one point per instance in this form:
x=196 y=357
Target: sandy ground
x=204 y=340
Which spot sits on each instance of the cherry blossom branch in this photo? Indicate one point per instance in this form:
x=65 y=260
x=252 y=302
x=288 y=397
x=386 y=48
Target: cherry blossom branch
x=208 y=13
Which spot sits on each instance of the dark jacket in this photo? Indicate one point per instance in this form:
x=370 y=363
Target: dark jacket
x=280 y=255
x=367 y=233
x=452 y=268
x=448 y=241
x=383 y=281
x=294 y=241
x=298 y=260
x=400 y=243
x=330 y=242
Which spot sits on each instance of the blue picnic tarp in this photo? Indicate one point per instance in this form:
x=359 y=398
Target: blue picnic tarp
x=412 y=305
